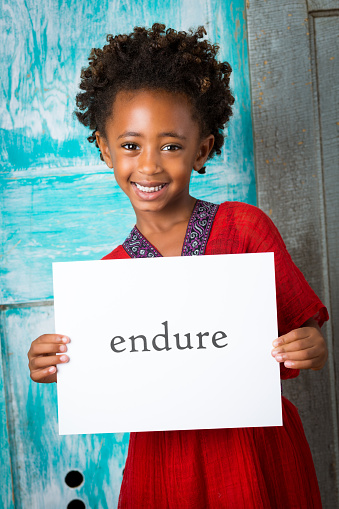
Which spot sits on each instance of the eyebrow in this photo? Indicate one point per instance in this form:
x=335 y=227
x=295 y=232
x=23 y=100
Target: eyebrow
x=169 y=134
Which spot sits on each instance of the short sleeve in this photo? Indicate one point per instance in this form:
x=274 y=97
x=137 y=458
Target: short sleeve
x=296 y=301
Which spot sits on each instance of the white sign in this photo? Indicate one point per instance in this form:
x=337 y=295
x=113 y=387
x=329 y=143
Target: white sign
x=167 y=343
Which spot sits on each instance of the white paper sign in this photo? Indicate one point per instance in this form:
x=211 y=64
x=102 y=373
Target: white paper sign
x=129 y=322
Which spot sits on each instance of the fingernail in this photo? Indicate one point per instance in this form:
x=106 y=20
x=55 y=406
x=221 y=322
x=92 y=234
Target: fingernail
x=52 y=369
x=289 y=364
x=277 y=342
x=63 y=348
x=279 y=357
x=63 y=358
x=65 y=340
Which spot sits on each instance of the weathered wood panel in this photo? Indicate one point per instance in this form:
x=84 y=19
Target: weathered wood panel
x=321 y=5
x=76 y=211
x=60 y=203
x=75 y=215
x=6 y=495
x=40 y=457
x=289 y=186
x=327 y=60
x=38 y=91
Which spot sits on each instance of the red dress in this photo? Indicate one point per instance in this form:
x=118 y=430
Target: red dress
x=242 y=468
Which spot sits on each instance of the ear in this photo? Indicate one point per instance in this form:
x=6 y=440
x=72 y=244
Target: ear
x=205 y=147
x=101 y=141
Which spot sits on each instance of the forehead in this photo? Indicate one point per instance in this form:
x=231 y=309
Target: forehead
x=152 y=106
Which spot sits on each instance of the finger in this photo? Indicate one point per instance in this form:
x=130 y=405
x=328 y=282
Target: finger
x=48 y=375
x=46 y=348
x=295 y=346
x=292 y=336
x=52 y=338
x=47 y=361
x=314 y=364
x=302 y=355
x=44 y=339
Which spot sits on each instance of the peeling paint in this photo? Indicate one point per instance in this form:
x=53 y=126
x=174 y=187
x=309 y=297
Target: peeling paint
x=60 y=203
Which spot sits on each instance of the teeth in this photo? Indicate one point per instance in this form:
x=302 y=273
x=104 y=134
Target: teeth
x=149 y=189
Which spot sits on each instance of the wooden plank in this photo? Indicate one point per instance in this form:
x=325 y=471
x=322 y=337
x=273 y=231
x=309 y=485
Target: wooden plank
x=6 y=486
x=327 y=60
x=38 y=92
x=41 y=458
x=59 y=203
x=72 y=215
x=289 y=186
x=322 y=5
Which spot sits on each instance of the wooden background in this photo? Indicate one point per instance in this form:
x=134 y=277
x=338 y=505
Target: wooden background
x=294 y=67
x=59 y=203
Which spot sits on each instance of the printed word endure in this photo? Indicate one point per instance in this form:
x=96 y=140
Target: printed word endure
x=161 y=342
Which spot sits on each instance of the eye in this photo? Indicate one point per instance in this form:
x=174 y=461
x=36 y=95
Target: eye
x=171 y=148
x=129 y=146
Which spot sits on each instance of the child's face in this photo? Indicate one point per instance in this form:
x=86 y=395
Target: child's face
x=153 y=143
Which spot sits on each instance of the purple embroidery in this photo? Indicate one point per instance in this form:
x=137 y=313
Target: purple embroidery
x=137 y=246
x=197 y=233
x=199 y=228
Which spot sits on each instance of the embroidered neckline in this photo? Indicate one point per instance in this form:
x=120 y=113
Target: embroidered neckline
x=137 y=246
x=197 y=234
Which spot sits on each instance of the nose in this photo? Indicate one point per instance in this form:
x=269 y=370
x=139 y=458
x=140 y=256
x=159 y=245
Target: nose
x=149 y=163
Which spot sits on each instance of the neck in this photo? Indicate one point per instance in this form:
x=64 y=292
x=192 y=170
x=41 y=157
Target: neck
x=156 y=222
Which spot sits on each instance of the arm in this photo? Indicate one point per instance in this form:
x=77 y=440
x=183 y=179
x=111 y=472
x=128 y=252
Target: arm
x=303 y=348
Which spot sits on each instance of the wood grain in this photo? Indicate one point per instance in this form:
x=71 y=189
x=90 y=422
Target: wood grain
x=290 y=190
x=6 y=495
x=327 y=61
x=322 y=5
x=59 y=203
x=40 y=457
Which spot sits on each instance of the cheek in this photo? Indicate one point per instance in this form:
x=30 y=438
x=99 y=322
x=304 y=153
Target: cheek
x=122 y=167
x=184 y=169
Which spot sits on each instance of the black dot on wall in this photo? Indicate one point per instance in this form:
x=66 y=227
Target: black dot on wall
x=74 y=478
x=76 y=504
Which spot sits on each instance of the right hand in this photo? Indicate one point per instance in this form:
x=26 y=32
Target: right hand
x=43 y=357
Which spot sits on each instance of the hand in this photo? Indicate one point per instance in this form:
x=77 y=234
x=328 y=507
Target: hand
x=303 y=348
x=43 y=357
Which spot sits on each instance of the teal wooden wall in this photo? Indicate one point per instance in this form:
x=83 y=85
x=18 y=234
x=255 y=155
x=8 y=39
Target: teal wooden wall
x=60 y=203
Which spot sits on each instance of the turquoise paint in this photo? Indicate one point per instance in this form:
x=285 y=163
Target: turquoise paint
x=40 y=457
x=42 y=212
x=60 y=203
x=6 y=492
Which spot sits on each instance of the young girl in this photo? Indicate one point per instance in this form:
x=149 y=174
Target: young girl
x=156 y=103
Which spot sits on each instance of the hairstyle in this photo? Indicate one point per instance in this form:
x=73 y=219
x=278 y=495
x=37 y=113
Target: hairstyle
x=155 y=59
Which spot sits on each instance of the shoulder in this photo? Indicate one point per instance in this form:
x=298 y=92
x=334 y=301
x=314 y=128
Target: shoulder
x=241 y=211
x=117 y=253
x=250 y=226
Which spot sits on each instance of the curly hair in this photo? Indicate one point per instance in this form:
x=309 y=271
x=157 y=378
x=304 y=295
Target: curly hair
x=155 y=59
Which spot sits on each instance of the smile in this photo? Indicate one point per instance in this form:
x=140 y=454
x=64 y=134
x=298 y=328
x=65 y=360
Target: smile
x=149 y=189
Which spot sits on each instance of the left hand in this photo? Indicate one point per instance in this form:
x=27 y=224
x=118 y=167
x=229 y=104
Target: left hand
x=303 y=348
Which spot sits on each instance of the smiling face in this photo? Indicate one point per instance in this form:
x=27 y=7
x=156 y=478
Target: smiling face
x=153 y=143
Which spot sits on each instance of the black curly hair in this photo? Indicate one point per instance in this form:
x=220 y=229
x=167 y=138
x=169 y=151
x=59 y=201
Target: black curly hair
x=155 y=59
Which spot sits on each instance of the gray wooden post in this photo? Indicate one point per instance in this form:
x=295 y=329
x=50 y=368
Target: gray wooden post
x=294 y=54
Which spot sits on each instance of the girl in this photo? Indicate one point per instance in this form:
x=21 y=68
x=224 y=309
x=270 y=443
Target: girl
x=156 y=103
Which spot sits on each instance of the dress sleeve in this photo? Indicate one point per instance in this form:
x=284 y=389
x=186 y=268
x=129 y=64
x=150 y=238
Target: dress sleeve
x=296 y=301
